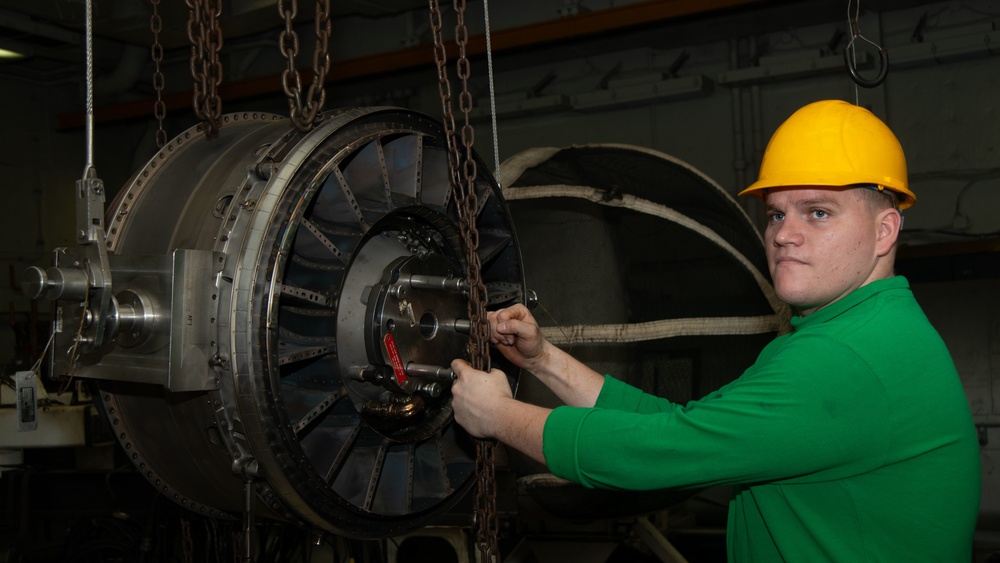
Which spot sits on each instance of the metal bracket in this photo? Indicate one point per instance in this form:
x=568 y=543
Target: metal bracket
x=90 y=237
x=159 y=326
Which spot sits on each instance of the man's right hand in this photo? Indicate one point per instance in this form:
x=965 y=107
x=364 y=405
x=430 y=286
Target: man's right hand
x=515 y=333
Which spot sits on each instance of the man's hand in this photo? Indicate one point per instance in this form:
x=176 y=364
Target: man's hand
x=515 y=333
x=485 y=406
x=477 y=398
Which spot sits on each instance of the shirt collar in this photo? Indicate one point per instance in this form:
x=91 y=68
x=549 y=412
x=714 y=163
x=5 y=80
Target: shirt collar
x=849 y=301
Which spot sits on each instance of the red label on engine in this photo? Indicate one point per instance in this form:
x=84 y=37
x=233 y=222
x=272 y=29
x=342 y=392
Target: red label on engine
x=394 y=359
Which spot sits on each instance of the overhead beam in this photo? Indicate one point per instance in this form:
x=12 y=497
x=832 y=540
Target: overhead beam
x=534 y=35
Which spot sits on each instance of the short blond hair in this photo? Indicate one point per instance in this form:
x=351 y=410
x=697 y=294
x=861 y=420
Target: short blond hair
x=878 y=198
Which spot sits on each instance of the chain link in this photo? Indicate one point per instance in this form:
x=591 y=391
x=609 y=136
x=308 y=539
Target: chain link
x=444 y=88
x=159 y=108
x=462 y=165
x=249 y=516
x=206 y=66
x=306 y=110
x=187 y=545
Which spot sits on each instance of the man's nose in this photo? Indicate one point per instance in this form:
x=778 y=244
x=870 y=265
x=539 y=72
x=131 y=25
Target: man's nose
x=788 y=232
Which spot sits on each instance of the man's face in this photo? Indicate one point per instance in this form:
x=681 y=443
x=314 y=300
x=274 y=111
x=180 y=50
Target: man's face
x=822 y=244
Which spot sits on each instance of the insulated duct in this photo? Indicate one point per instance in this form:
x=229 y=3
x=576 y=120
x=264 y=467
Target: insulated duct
x=645 y=269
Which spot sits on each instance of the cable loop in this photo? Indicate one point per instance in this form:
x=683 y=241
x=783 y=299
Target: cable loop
x=850 y=60
x=850 y=54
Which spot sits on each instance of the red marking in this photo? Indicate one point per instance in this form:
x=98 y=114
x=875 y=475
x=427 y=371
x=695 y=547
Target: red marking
x=394 y=359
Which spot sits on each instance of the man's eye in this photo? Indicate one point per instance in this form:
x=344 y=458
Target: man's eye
x=819 y=214
x=775 y=217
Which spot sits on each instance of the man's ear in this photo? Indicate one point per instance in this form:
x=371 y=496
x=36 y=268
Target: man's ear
x=888 y=222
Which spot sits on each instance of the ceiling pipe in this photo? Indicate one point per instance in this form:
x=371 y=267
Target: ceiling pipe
x=535 y=35
x=125 y=75
x=39 y=29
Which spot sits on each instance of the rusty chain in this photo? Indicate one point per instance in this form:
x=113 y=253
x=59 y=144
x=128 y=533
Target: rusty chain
x=206 y=67
x=187 y=544
x=305 y=110
x=462 y=165
x=159 y=108
x=237 y=541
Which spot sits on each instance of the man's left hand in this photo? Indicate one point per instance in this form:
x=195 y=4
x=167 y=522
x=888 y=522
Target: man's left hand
x=478 y=398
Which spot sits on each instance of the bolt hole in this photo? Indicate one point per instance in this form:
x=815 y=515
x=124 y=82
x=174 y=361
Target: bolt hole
x=428 y=325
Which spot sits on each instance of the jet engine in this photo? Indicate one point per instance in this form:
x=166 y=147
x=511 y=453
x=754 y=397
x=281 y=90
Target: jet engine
x=269 y=317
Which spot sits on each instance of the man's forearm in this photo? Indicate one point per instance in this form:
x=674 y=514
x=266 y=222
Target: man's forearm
x=521 y=426
x=573 y=382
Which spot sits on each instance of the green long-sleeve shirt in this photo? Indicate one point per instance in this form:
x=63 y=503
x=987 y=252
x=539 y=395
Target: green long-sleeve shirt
x=850 y=439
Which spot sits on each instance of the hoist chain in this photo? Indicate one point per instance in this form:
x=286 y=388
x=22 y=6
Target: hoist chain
x=305 y=110
x=249 y=517
x=206 y=67
x=187 y=544
x=237 y=541
x=159 y=108
x=463 y=178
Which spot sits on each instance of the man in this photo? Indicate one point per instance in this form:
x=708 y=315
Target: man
x=850 y=439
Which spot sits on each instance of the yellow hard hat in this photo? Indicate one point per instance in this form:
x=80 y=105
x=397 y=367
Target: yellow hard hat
x=834 y=143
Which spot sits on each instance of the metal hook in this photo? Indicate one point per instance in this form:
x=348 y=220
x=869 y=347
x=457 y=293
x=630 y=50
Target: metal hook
x=852 y=64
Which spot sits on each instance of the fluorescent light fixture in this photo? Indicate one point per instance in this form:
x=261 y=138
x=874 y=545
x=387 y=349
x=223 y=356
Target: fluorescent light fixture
x=12 y=50
x=643 y=93
x=946 y=49
x=791 y=66
x=520 y=104
x=7 y=54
